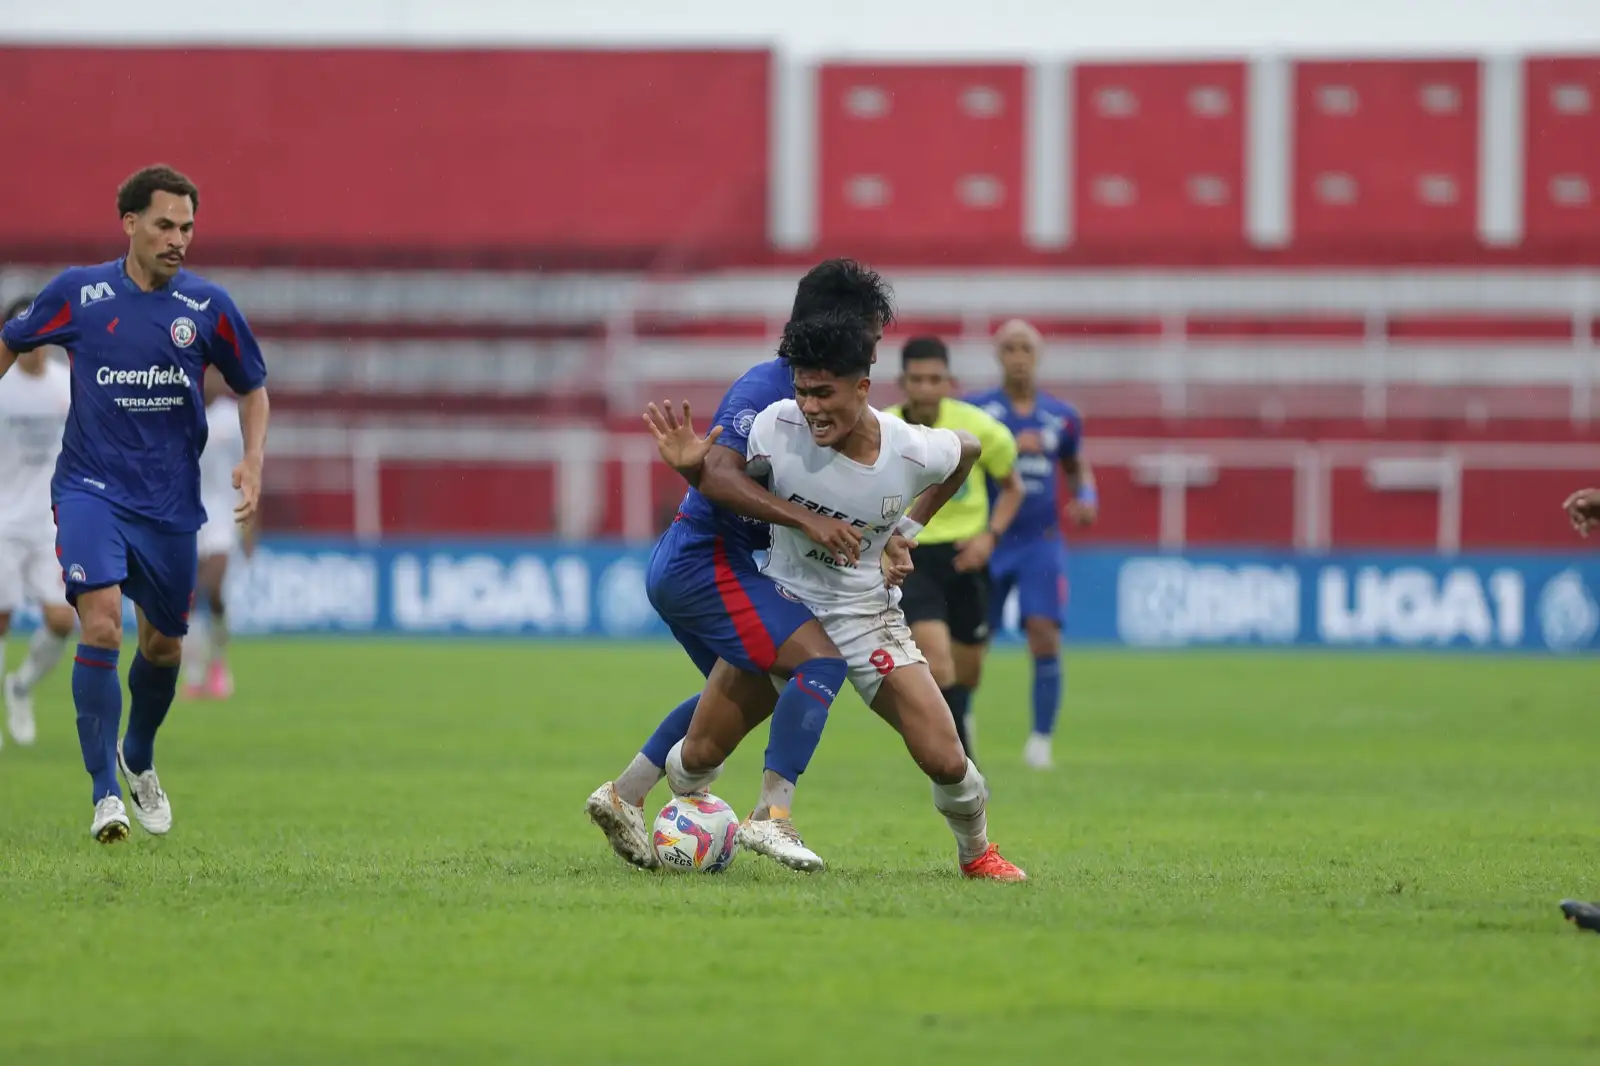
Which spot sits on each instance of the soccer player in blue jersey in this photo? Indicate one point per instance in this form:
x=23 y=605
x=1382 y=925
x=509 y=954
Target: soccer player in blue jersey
x=1029 y=557
x=705 y=583
x=139 y=331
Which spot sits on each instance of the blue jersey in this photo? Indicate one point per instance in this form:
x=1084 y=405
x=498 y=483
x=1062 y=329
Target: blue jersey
x=137 y=424
x=1046 y=435
x=757 y=389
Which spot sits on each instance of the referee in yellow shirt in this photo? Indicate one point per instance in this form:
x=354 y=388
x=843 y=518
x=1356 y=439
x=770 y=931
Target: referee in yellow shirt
x=946 y=598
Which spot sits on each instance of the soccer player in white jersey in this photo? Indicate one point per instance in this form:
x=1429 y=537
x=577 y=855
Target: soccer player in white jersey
x=33 y=411
x=205 y=647
x=829 y=450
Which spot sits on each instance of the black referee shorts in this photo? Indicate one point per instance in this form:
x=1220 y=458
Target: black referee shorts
x=937 y=592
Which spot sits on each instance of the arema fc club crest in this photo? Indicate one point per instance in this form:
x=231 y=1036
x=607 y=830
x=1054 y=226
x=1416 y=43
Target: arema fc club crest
x=183 y=332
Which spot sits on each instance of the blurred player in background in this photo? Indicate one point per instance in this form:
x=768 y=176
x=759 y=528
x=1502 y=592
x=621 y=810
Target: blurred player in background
x=34 y=399
x=126 y=490
x=205 y=648
x=706 y=585
x=1029 y=558
x=947 y=594
x=1583 y=511
x=830 y=449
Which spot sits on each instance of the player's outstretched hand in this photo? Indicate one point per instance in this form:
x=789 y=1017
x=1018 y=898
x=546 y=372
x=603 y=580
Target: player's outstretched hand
x=247 y=480
x=841 y=539
x=676 y=441
x=973 y=555
x=1583 y=510
x=897 y=565
x=1082 y=514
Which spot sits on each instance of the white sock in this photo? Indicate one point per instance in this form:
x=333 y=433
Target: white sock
x=196 y=650
x=966 y=812
x=44 y=651
x=218 y=633
x=682 y=782
x=635 y=783
x=777 y=796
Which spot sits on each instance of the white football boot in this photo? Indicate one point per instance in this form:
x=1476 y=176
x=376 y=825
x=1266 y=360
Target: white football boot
x=19 y=711
x=777 y=840
x=150 y=803
x=623 y=825
x=1037 y=752
x=110 y=821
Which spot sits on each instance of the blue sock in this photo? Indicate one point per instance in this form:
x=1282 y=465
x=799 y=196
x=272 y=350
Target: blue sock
x=673 y=728
x=150 y=688
x=800 y=715
x=1046 y=694
x=959 y=697
x=97 y=695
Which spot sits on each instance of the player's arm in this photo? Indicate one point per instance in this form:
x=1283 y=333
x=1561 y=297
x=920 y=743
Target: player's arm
x=48 y=320
x=999 y=462
x=234 y=352
x=1084 y=504
x=724 y=476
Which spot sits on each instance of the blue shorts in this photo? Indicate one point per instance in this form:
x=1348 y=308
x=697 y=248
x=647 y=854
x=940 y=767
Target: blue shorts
x=1036 y=569
x=717 y=604
x=100 y=546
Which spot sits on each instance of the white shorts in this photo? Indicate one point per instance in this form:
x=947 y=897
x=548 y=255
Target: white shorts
x=219 y=536
x=29 y=573
x=873 y=646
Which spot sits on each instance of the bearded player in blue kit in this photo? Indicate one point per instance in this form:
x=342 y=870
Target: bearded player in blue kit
x=1029 y=557
x=705 y=583
x=139 y=331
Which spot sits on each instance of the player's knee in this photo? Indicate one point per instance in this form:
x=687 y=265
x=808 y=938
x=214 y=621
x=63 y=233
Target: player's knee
x=59 y=620
x=160 y=649
x=701 y=754
x=808 y=642
x=945 y=764
x=1044 y=637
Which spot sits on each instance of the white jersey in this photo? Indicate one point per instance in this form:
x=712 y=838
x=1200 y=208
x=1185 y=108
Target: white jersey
x=224 y=451
x=33 y=413
x=911 y=459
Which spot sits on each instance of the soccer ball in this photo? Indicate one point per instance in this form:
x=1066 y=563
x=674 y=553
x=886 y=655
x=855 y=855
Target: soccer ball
x=696 y=833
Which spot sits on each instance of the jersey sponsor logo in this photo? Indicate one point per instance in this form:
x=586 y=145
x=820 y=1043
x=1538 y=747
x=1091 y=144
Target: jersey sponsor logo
x=150 y=378
x=194 y=305
x=93 y=294
x=891 y=506
x=183 y=332
x=743 y=421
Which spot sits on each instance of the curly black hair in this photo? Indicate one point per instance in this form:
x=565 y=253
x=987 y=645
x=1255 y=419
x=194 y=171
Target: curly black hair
x=845 y=285
x=837 y=342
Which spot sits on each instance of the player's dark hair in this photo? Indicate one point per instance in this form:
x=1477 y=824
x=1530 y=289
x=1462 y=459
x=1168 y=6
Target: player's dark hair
x=845 y=285
x=919 y=348
x=15 y=308
x=135 y=194
x=837 y=342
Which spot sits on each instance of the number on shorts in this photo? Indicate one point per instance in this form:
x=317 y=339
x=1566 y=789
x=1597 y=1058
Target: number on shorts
x=882 y=662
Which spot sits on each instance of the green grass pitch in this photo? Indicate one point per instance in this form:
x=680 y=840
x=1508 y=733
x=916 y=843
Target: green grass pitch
x=380 y=856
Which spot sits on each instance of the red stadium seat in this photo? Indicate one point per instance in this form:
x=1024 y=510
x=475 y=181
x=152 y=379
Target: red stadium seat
x=1159 y=152
x=920 y=155
x=1561 y=187
x=1385 y=149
